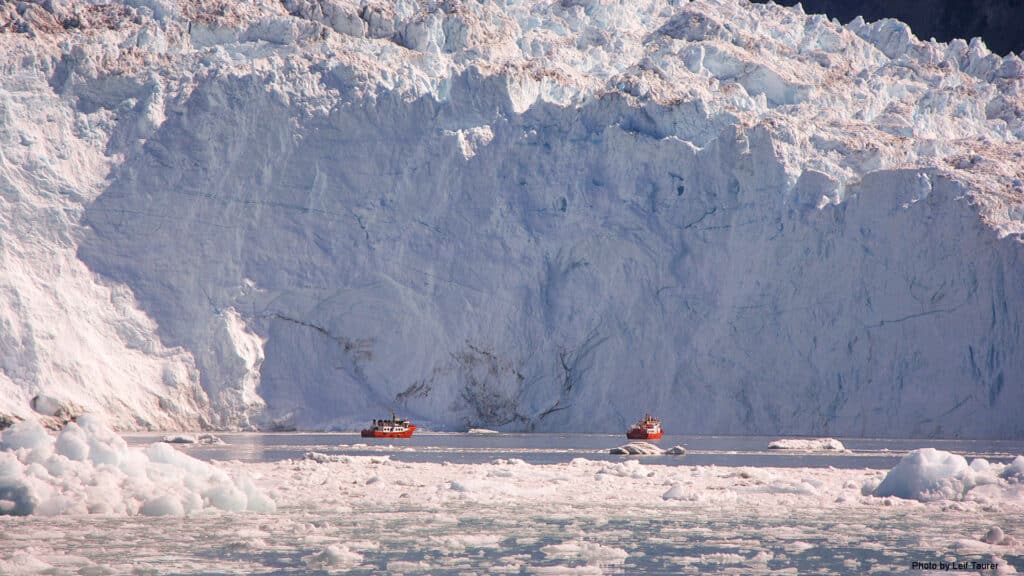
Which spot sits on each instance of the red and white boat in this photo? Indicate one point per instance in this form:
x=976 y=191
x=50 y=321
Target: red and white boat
x=648 y=428
x=393 y=428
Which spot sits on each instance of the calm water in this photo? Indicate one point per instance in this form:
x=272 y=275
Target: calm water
x=546 y=448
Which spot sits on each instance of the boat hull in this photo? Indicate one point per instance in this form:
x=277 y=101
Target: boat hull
x=644 y=435
x=371 y=433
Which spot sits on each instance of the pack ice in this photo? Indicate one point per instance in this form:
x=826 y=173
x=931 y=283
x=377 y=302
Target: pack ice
x=514 y=215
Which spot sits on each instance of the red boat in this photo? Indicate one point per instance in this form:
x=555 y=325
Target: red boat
x=648 y=428
x=393 y=428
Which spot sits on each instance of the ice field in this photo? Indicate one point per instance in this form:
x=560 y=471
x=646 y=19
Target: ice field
x=97 y=504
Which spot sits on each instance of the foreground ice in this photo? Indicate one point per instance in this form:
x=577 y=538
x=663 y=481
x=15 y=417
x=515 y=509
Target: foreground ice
x=88 y=469
x=930 y=474
x=339 y=513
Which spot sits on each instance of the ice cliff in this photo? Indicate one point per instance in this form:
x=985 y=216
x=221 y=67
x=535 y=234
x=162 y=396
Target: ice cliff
x=521 y=215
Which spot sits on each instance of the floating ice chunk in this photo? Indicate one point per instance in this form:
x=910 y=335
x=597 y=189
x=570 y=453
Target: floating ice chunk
x=164 y=454
x=465 y=485
x=627 y=469
x=73 y=443
x=94 y=471
x=798 y=547
x=165 y=505
x=321 y=458
x=334 y=557
x=179 y=439
x=1014 y=470
x=256 y=501
x=808 y=444
x=984 y=472
x=28 y=435
x=105 y=447
x=993 y=536
x=676 y=451
x=565 y=570
x=226 y=497
x=678 y=492
x=208 y=439
x=191 y=439
x=590 y=552
x=867 y=488
x=980 y=465
x=803 y=487
x=928 y=474
x=637 y=448
x=481 y=431
x=16 y=497
x=24 y=562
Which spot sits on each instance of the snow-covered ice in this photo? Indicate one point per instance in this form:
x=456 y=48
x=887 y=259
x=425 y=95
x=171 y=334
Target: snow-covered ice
x=525 y=215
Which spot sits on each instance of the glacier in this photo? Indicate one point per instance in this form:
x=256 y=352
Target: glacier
x=520 y=215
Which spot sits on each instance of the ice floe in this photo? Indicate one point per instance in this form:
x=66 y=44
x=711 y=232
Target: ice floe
x=647 y=449
x=807 y=444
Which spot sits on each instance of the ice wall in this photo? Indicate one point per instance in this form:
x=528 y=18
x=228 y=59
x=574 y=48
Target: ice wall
x=556 y=217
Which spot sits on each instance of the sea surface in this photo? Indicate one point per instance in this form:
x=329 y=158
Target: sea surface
x=548 y=448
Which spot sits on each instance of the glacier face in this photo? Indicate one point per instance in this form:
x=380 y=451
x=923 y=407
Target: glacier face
x=529 y=215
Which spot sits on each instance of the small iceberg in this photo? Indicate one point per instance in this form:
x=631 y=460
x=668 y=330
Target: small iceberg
x=646 y=449
x=190 y=439
x=481 y=431
x=808 y=444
